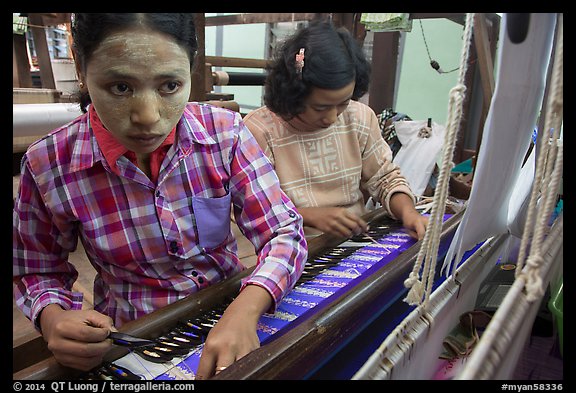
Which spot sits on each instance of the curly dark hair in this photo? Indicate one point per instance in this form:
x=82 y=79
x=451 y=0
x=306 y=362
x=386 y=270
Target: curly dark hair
x=89 y=30
x=332 y=59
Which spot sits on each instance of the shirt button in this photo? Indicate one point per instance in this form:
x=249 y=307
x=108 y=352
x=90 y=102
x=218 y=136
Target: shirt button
x=173 y=246
x=194 y=273
x=292 y=214
x=200 y=280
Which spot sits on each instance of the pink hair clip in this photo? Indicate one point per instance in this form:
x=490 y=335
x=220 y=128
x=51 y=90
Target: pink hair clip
x=300 y=62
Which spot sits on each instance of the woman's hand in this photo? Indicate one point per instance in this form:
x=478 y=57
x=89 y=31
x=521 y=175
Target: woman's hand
x=234 y=335
x=415 y=224
x=402 y=206
x=77 y=338
x=336 y=221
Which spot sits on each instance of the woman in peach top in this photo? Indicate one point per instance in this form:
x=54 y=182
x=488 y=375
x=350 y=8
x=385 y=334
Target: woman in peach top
x=326 y=146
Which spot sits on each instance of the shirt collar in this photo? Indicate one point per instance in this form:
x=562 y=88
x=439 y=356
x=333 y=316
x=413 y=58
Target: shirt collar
x=111 y=148
x=190 y=130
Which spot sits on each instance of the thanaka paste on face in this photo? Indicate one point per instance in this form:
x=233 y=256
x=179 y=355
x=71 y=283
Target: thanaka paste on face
x=144 y=60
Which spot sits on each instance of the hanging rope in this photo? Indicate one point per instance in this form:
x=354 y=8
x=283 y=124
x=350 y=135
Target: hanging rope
x=433 y=63
x=547 y=178
x=428 y=253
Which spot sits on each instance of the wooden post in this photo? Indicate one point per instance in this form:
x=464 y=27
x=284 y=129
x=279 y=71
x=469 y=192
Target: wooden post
x=44 y=62
x=384 y=64
x=459 y=150
x=20 y=64
x=486 y=67
x=485 y=61
x=198 y=91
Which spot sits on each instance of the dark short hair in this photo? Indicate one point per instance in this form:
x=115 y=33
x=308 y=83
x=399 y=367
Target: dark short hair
x=332 y=60
x=90 y=29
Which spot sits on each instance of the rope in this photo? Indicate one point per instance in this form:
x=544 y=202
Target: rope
x=428 y=252
x=547 y=179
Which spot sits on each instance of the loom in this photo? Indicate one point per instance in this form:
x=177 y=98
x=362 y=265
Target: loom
x=299 y=347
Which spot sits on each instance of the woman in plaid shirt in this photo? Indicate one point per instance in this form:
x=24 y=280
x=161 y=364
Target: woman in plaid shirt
x=146 y=181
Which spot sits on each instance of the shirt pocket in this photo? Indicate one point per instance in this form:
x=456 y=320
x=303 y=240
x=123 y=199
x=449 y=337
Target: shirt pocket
x=212 y=219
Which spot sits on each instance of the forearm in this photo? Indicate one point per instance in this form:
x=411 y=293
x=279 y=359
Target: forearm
x=46 y=317
x=251 y=303
x=309 y=215
x=401 y=205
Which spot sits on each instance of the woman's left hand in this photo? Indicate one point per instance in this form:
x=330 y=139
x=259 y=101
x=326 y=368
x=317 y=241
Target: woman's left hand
x=415 y=224
x=402 y=206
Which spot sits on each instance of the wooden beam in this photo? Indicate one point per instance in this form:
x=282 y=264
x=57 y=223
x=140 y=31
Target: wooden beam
x=269 y=17
x=457 y=17
x=221 y=61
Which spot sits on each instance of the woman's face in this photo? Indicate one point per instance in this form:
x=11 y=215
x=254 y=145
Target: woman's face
x=139 y=82
x=323 y=106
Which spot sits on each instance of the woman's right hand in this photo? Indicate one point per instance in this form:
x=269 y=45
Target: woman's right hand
x=336 y=221
x=77 y=338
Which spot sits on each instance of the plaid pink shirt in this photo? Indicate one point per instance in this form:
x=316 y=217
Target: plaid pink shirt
x=151 y=244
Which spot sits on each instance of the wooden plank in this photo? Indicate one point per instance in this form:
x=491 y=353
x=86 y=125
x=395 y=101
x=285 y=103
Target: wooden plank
x=219 y=96
x=32 y=95
x=268 y=17
x=222 y=61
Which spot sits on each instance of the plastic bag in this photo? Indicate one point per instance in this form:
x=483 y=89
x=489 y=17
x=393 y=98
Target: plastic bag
x=421 y=146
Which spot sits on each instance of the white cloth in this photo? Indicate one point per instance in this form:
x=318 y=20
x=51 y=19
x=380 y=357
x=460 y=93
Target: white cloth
x=520 y=83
